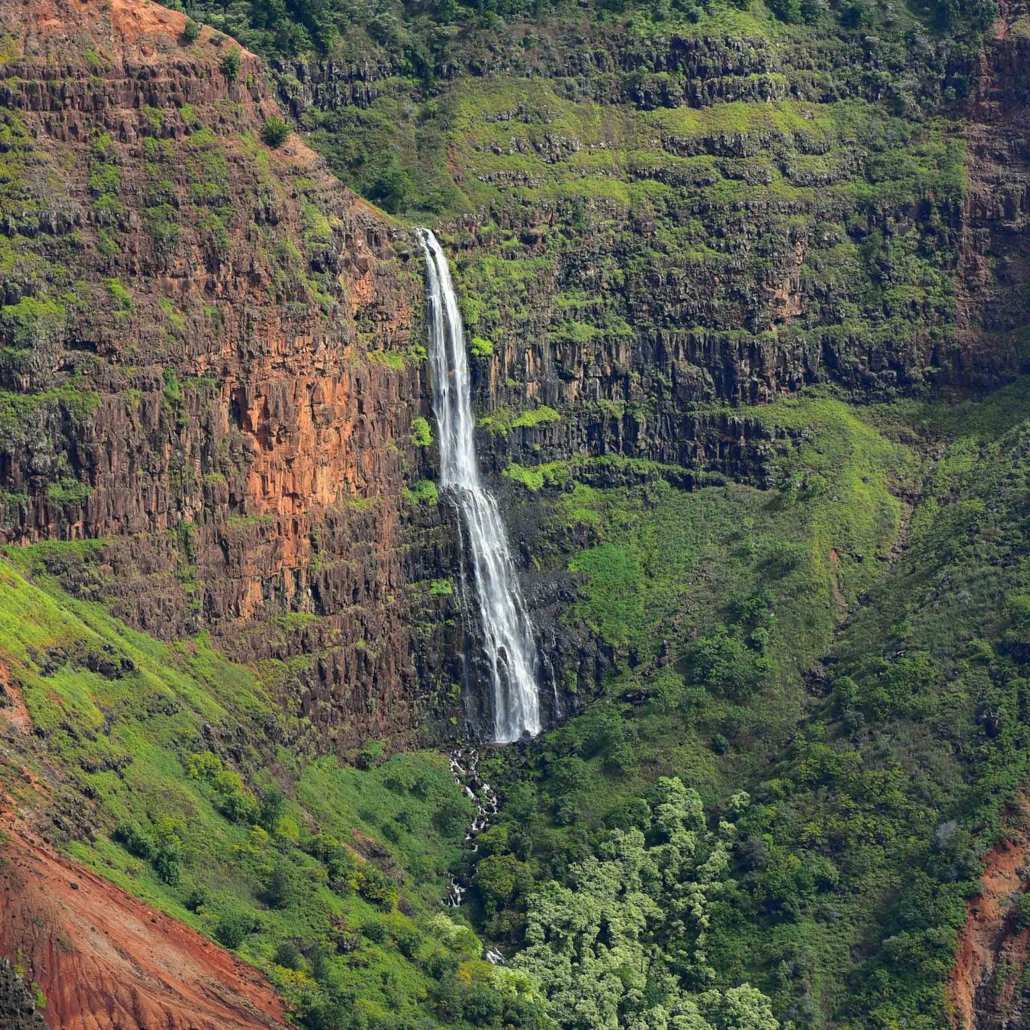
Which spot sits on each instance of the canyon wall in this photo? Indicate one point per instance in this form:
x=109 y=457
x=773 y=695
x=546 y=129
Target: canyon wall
x=212 y=358
x=213 y=352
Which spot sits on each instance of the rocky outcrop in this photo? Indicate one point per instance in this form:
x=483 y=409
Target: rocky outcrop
x=213 y=361
x=17 y=1004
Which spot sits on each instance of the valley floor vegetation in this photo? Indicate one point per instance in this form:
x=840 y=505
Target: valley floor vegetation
x=812 y=762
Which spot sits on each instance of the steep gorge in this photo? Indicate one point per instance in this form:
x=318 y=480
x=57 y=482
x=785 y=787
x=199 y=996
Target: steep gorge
x=213 y=362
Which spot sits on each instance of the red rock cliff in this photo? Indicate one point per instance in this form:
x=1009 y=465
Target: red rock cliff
x=209 y=357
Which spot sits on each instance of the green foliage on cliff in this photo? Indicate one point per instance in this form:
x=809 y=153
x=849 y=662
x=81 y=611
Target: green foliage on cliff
x=421 y=435
x=877 y=779
x=504 y=420
x=207 y=834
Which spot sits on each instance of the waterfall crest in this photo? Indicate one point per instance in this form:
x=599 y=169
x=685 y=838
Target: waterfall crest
x=507 y=629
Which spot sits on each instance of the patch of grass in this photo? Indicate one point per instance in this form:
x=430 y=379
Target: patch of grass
x=422 y=492
x=504 y=420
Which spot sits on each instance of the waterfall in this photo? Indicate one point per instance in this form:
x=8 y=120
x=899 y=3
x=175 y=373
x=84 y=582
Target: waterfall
x=506 y=626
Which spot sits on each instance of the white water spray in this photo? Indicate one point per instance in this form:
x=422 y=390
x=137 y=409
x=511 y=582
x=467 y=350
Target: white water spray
x=507 y=630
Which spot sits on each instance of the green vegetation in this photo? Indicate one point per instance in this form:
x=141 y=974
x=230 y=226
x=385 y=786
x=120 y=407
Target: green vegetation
x=415 y=30
x=258 y=863
x=230 y=66
x=800 y=696
x=421 y=436
x=275 y=132
x=422 y=492
x=504 y=420
x=871 y=795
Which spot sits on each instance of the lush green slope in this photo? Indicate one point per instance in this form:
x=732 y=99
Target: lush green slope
x=878 y=775
x=202 y=801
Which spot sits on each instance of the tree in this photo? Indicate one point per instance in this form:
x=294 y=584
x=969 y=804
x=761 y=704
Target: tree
x=371 y=754
x=500 y=878
x=232 y=929
x=273 y=807
x=276 y=131
x=387 y=183
x=230 y=65
x=190 y=32
x=739 y=1008
x=279 y=889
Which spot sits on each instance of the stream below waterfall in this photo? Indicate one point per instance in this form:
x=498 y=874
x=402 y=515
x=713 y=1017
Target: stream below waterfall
x=465 y=770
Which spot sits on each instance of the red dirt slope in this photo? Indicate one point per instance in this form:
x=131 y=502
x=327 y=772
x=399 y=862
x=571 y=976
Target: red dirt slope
x=990 y=941
x=108 y=962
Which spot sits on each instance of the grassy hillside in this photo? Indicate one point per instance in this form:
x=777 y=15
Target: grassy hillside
x=177 y=776
x=880 y=754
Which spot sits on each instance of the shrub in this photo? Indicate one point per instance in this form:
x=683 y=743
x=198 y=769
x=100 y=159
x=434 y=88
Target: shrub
x=273 y=807
x=190 y=31
x=421 y=436
x=279 y=890
x=374 y=931
x=134 y=840
x=230 y=65
x=196 y=899
x=451 y=818
x=168 y=868
x=338 y=860
x=376 y=887
x=288 y=956
x=234 y=802
x=203 y=766
x=408 y=941
x=238 y=807
x=276 y=132
x=1023 y=911
x=371 y=754
x=785 y=10
x=232 y=929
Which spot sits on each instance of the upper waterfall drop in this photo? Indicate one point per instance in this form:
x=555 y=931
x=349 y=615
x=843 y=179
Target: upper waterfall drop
x=507 y=629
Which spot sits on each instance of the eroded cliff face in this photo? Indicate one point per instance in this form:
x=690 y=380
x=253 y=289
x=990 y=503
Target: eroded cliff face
x=212 y=360
x=988 y=983
x=654 y=242
x=214 y=351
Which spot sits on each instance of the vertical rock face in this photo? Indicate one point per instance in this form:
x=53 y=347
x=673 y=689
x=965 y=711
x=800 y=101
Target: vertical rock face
x=212 y=360
x=17 y=1006
x=991 y=303
x=655 y=242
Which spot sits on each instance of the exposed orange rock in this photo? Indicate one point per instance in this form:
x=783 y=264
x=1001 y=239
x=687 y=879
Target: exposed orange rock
x=989 y=941
x=13 y=707
x=105 y=961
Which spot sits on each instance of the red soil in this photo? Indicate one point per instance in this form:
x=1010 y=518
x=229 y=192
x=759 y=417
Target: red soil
x=989 y=937
x=106 y=961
